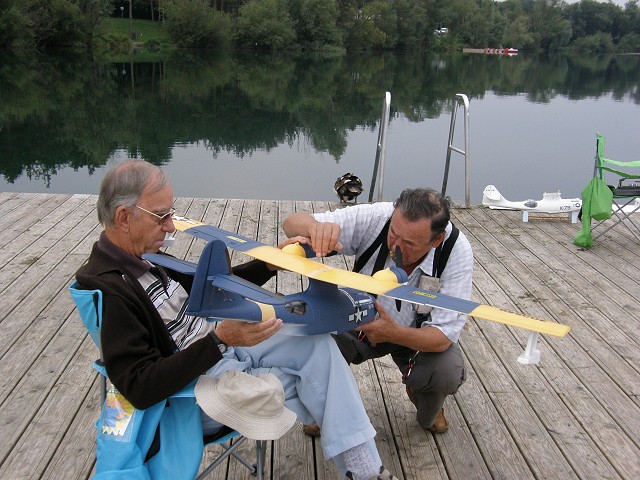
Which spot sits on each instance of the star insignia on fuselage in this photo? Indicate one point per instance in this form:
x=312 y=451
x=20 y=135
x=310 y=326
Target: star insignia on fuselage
x=357 y=316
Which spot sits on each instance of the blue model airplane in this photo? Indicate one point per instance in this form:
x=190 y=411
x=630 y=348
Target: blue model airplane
x=336 y=300
x=219 y=294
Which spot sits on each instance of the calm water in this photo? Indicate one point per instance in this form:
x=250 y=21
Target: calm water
x=278 y=127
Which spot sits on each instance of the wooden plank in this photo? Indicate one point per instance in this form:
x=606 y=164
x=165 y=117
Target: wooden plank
x=30 y=245
x=205 y=209
x=576 y=414
x=18 y=206
x=416 y=450
x=76 y=455
x=596 y=413
x=29 y=292
x=35 y=433
x=26 y=214
x=623 y=368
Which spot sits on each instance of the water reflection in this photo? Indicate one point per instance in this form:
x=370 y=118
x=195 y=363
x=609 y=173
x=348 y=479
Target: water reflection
x=60 y=112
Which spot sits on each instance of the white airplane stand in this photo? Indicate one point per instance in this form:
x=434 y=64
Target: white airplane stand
x=531 y=355
x=573 y=216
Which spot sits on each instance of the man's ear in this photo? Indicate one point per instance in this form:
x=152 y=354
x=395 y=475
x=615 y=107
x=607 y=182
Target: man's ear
x=438 y=240
x=122 y=218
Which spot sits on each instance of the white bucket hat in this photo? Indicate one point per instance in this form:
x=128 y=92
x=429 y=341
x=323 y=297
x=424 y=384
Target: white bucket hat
x=252 y=405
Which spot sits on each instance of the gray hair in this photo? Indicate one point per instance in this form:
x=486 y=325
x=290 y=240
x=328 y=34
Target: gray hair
x=124 y=184
x=424 y=203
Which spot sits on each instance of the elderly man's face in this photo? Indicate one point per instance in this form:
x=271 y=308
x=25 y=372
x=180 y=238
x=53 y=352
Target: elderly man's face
x=147 y=231
x=413 y=238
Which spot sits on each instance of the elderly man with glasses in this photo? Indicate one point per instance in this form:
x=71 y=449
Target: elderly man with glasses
x=152 y=349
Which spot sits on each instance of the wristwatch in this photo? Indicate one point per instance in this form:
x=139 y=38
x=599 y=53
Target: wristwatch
x=221 y=345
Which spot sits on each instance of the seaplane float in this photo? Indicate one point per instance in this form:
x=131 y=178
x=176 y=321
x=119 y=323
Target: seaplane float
x=550 y=203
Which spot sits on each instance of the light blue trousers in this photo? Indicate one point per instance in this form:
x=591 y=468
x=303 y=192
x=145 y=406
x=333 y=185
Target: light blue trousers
x=318 y=385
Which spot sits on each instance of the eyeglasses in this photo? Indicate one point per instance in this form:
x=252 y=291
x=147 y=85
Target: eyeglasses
x=161 y=218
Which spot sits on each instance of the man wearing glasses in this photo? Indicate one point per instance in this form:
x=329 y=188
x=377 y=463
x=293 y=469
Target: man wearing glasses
x=152 y=349
x=413 y=232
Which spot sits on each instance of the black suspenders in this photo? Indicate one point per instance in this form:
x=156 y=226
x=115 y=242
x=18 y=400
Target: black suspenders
x=441 y=255
x=380 y=241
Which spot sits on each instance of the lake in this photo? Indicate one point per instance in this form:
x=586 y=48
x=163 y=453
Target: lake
x=284 y=127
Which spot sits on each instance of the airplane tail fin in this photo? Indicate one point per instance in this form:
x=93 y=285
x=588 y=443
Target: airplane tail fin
x=213 y=261
x=218 y=293
x=491 y=195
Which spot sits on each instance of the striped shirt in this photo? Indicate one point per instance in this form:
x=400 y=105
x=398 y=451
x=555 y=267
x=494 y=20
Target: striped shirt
x=171 y=302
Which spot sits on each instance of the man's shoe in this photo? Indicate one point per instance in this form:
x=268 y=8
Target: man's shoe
x=384 y=475
x=311 y=429
x=440 y=424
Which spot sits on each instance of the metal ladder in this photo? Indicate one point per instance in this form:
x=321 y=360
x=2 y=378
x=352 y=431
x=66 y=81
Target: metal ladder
x=381 y=148
x=377 y=178
x=459 y=98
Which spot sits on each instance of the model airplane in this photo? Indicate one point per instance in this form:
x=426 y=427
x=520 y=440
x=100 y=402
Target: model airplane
x=550 y=203
x=219 y=294
x=323 y=307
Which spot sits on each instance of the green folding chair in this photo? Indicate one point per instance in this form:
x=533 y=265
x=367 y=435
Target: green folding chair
x=624 y=197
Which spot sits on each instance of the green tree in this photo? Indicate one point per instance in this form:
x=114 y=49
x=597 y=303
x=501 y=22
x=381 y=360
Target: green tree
x=630 y=43
x=412 y=25
x=15 y=31
x=373 y=25
x=315 y=24
x=551 y=32
x=84 y=18
x=597 y=43
x=192 y=23
x=264 y=24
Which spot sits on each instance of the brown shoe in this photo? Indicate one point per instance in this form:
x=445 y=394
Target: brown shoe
x=440 y=424
x=311 y=429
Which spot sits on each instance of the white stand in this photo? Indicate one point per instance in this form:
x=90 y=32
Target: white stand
x=573 y=216
x=531 y=354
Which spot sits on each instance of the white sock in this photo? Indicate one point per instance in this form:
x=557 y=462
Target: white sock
x=360 y=462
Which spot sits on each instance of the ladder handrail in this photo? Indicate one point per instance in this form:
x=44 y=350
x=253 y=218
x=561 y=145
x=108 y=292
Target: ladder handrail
x=381 y=148
x=460 y=97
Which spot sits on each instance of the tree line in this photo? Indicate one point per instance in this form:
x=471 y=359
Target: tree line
x=239 y=102
x=588 y=26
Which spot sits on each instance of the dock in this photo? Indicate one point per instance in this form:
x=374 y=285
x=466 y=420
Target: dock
x=575 y=415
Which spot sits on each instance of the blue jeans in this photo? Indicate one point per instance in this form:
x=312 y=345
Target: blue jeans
x=318 y=386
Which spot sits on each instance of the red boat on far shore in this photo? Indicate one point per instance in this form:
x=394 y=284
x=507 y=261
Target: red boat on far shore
x=492 y=51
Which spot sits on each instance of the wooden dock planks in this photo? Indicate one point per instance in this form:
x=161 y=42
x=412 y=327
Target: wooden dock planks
x=575 y=415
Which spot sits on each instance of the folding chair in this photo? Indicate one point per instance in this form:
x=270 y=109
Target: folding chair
x=89 y=305
x=626 y=196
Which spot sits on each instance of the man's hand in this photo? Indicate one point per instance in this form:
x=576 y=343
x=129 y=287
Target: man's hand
x=247 y=334
x=385 y=329
x=324 y=238
x=382 y=329
x=322 y=235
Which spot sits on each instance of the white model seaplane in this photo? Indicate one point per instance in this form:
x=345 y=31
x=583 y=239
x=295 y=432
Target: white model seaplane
x=550 y=203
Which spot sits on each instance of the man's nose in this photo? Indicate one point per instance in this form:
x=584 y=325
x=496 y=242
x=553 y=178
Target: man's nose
x=169 y=226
